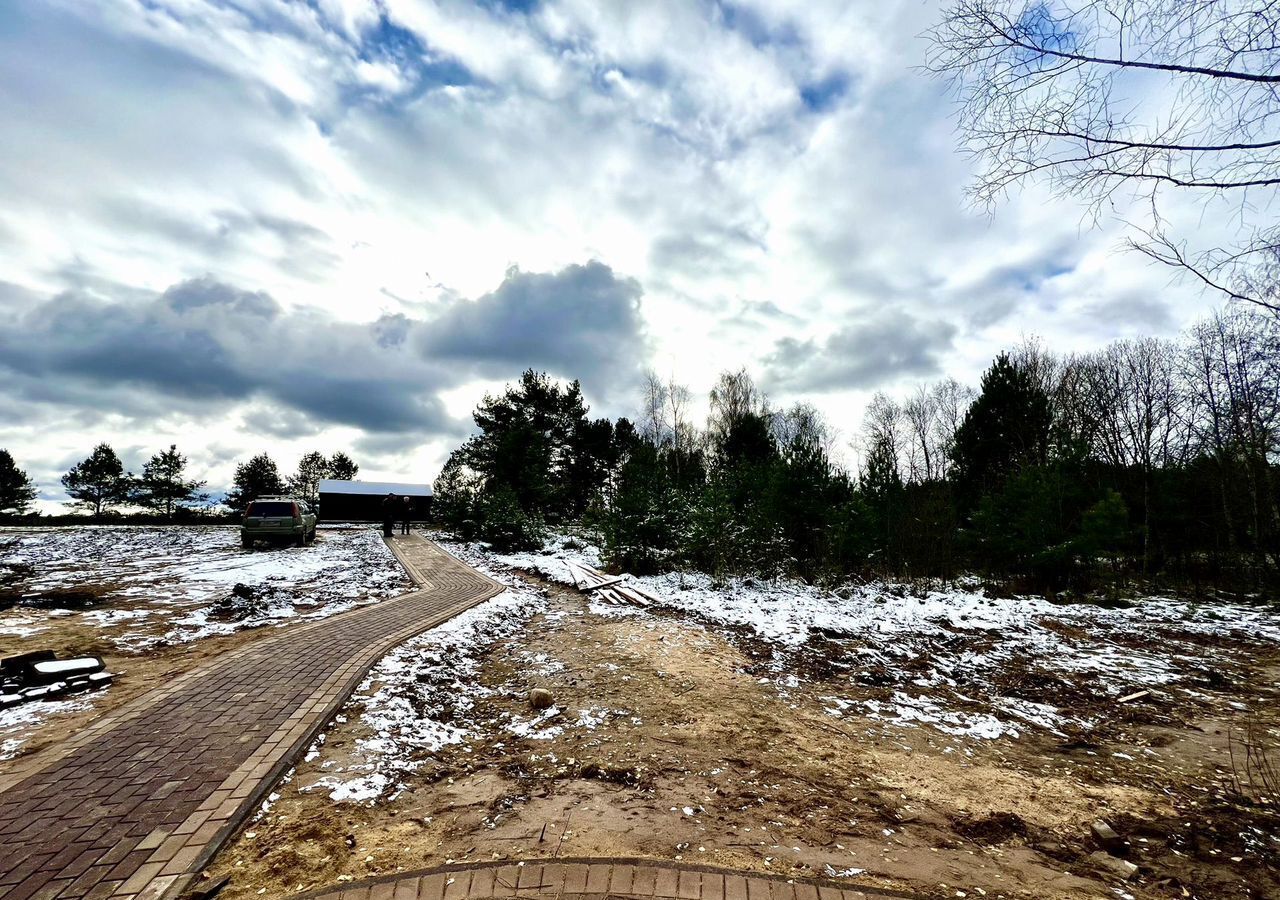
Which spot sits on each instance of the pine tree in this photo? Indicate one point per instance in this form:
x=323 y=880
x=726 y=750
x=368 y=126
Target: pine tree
x=258 y=477
x=313 y=467
x=881 y=487
x=1006 y=428
x=455 y=492
x=16 y=489
x=527 y=444
x=99 y=481
x=162 y=486
x=342 y=467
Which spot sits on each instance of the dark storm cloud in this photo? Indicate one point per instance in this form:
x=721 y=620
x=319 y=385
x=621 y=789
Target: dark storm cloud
x=213 y=344
x=581 y=322
x=860 y=356
x=206 y=345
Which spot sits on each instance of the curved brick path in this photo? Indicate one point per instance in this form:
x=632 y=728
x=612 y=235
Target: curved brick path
x=138 y=802
x=595 y=879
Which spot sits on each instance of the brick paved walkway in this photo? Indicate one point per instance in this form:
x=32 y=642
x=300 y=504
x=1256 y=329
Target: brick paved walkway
x=647 y=879
x=139 y=802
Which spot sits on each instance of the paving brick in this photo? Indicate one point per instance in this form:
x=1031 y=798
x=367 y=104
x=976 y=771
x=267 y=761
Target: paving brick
x=667 y=882
x=505 y=881
x=552 y=879
x=758 y=889
x=457 y=885
x=407 y=889
x=713 y=886
x=482 y=882
x=598 y=879
x=642 y=881
x=530 y=878
x=621 y=879
x=575 y=879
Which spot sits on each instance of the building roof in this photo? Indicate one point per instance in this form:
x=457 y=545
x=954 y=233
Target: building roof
x=374 y=488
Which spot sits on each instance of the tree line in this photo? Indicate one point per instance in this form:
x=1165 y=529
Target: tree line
x=99 y=484
x=1149 y=459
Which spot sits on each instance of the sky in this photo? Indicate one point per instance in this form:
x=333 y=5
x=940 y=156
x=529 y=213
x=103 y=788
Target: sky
x=242 y=225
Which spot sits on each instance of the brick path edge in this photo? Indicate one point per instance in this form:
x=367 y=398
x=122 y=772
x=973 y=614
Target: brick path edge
x=433 y=883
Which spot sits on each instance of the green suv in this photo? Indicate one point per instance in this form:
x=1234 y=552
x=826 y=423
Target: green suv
x=278 y=519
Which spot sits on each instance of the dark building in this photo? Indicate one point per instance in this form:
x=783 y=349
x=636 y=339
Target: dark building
x=361 y=501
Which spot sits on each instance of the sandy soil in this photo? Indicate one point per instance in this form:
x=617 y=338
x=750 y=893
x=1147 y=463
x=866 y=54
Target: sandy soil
x=677 y=740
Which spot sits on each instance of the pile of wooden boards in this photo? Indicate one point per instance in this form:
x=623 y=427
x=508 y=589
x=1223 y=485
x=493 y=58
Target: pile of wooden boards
x=40 y=675
x=611 y=589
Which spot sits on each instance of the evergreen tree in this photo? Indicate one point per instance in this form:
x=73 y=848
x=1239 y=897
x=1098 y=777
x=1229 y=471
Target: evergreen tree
x=16 y=489
x=313 y=467
x=258 y=477
x=162 y=486
x=645 y=526
x=811 y=500
x=529 y=441
x=881 y=487
x=1104 y=529
x=504 y=524
x=455 y=494
x=593 y=459
x=1006 y=428
x=98 y=482
x=342 y=467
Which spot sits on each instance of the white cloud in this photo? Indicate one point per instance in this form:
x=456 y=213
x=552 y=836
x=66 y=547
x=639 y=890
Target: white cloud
x=771 y=175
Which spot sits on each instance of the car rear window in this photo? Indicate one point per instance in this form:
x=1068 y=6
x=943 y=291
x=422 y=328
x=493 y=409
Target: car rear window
x=270 y=508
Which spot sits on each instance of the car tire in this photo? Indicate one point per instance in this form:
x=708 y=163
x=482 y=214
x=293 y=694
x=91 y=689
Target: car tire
x=246 y=542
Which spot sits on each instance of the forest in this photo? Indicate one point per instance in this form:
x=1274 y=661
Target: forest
x=1150 y=462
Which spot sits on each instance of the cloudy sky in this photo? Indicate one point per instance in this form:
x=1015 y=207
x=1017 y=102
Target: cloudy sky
x=241 y=225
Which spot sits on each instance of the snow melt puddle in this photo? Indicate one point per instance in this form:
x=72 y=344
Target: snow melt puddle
x=951 y=646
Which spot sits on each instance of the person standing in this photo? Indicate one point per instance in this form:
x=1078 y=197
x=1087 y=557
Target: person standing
x=406 y=515
x=389 y=515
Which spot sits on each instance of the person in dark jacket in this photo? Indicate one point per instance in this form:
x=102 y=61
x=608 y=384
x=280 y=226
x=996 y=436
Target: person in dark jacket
x=406 y=514
x=389 y=511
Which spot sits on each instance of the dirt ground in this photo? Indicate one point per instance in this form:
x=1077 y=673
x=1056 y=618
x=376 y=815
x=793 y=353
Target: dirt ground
x=679 y=741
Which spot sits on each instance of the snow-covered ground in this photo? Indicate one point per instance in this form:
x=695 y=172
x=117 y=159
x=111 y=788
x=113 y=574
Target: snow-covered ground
x=149 y=586
x=423 y=695
x=175 y=584
x=419 y=697
x=949 y=655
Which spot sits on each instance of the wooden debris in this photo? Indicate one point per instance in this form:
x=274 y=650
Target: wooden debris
x=1138 y=696
x=610 y=589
